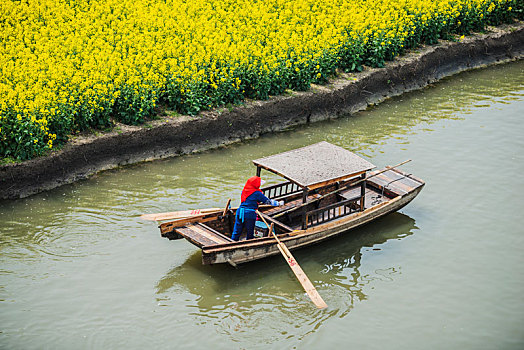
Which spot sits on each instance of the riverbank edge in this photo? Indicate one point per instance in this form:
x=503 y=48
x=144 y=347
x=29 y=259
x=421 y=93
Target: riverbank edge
x=347 y=94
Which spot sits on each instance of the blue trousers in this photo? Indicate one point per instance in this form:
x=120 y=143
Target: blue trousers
x=249 y=224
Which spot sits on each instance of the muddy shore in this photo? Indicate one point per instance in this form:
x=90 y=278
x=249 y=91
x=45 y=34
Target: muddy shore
x=349 y=93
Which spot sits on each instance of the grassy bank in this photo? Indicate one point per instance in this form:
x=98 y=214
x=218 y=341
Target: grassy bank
x=68 y=66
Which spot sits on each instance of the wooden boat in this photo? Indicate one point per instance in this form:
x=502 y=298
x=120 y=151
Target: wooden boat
x=328 y=191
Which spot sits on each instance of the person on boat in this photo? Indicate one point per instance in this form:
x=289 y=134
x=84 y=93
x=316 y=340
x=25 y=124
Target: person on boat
x=246 y=213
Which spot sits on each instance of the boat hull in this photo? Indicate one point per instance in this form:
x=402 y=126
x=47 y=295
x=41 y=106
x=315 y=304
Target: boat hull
x=246 y=251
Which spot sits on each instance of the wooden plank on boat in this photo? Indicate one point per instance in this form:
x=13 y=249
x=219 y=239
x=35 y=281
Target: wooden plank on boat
x=276 y=210
x=350 y=193
x=400 y=182
x=209 y=233
x=250 y=243
x=194 y=237
x=183 y=214
x=409 y=176
x=169 y=226
x=387 y=181
x=289 y=205
x=382 y=180
x=218 y=234
x=201 y=235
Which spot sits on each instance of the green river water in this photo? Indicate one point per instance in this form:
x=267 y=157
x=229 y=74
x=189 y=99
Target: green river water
x=80 y=270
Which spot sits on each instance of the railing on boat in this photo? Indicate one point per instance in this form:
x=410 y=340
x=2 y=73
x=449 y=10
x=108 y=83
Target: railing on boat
x=281 y=190
x=332 y=211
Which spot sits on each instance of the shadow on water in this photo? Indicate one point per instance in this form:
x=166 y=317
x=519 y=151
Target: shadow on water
x=264 y=297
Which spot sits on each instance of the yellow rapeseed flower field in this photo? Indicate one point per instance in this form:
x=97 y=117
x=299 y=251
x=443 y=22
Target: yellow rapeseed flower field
x=69 y=65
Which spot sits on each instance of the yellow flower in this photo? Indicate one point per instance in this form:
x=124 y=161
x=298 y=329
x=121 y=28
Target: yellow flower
x=82 y=57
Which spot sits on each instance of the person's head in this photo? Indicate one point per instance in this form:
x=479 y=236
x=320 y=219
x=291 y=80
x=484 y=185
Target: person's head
x=254 y=182
x=252 y=185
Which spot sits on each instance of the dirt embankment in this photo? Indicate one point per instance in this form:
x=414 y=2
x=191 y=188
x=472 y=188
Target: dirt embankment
x=176 y=136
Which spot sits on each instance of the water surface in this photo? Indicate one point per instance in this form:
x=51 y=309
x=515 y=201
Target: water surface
x=78 y=269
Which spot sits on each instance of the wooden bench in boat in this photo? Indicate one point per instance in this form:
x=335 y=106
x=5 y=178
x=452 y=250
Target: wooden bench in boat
x=202 y=235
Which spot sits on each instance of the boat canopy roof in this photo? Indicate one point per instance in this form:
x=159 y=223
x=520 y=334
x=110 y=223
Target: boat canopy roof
x=315 y=165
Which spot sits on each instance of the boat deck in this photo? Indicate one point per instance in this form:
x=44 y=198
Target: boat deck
x=202 y=235
x=395 y=182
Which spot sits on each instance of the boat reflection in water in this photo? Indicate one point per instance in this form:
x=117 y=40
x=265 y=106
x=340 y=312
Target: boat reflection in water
x=263 y=299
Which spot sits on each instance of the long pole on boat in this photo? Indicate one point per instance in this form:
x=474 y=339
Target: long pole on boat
x=341 y=189
x=183 y=214
x=188 y=214
x=297 y=270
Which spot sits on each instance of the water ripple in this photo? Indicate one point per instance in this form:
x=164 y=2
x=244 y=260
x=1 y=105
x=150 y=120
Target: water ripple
x=265 y=296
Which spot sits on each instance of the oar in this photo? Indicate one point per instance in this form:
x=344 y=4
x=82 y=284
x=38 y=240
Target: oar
x=227 y=207
x=179 y=214
x=297 y=270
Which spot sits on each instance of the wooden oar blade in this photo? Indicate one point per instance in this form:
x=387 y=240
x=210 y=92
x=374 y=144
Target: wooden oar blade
x=297 y=270
x=311 y=291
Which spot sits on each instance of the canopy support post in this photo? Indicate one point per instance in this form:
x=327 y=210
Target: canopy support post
x=304 y=210
x=362 y=191
x=259 y=169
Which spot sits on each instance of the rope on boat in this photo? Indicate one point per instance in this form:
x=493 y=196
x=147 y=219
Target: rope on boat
x=377 y=199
